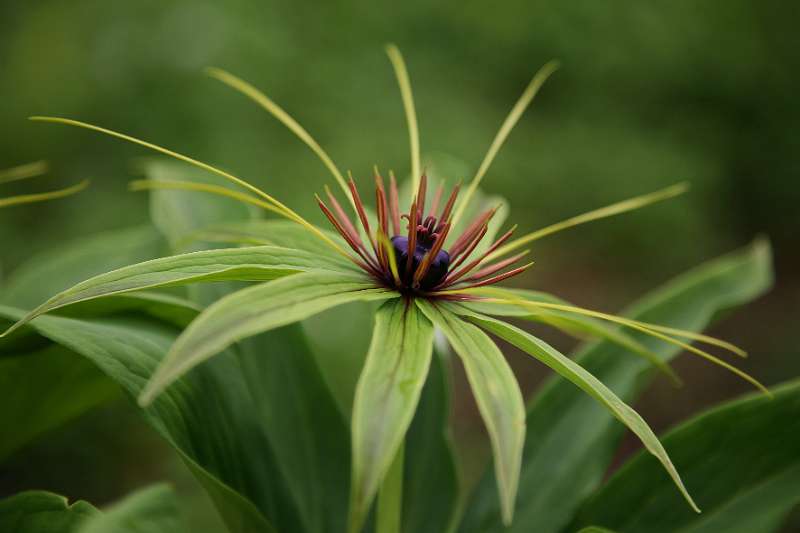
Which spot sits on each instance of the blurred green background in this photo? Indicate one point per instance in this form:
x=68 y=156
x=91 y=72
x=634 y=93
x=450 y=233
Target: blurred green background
x=649 y=94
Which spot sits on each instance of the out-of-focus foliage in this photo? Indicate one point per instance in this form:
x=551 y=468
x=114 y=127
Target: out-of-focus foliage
x=648 y=94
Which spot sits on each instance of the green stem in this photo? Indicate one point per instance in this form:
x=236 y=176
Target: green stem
x=390 y=496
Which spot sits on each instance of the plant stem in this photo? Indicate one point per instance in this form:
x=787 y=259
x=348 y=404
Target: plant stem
x=390 y=496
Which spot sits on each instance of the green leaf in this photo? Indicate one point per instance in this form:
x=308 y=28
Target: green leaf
x=740 y=458
x=166 y=307
x=572 y=439
x=307 y=435
x=283 y=233
x=249 y=264
x=55 y=270
x=204 y=417
x=389 y=509
x=255 y=310
x=431 y=489
x=496 y=392
x=571 y=324
x=306 y=440
x=595 y=529
x=150 y=510
x=386 y=397
x=43 y=390
x=42 y=512
x=589 y=384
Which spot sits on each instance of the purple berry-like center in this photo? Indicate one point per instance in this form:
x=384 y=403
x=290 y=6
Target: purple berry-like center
x=435 y=274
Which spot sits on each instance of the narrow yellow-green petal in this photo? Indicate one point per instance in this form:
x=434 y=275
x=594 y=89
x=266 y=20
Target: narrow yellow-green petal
x=404 y=82
x=505 y=129
x=279 y=113
x=630 y=204
x=21 y=172
x=43 y=196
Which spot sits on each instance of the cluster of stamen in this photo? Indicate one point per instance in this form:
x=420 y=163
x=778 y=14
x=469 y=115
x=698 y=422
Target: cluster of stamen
x=414 y=260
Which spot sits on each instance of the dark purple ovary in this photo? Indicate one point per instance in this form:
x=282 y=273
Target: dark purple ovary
x=437 y=271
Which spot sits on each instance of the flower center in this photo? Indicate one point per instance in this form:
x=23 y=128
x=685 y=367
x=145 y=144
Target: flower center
x=437 y=270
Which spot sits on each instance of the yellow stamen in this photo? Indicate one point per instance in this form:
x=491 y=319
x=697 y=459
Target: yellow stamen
x=607 y=211
x=404 y=82
x=42 y=196
x=275 y=110
x=384 y=241
x=511 y=120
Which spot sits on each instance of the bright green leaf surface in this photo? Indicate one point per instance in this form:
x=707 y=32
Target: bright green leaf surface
x=571 y=438
x=42 y=512
x=386 y=396
x=166 y=307
x=249 y=264
x=256 y=310
x=496 y=392
x=575 y=373
x=741 y=460
x=150 y=510
x=44 y=389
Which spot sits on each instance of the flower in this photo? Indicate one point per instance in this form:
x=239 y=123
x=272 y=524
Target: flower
x=416 y=263
x=423 y=282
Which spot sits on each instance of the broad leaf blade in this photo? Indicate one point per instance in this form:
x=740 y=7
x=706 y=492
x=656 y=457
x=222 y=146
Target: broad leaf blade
x=306 y=448
x=43 y=390
x=200 y=418
x=386 y=397
x=244 y=264
x=496 y=392
x=150 y=510
x=572 y=440
x=741 y=458
x=584 y=380
x=307 y=434
x=42 y=512
x=255 y=310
